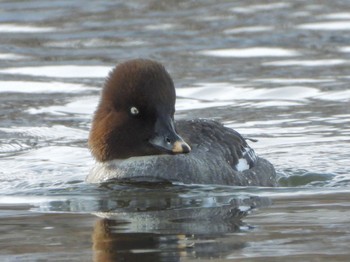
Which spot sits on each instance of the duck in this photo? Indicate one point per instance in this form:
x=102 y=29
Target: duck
x=134 y=136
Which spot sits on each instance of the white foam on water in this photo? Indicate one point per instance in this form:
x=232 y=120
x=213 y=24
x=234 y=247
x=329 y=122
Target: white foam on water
x=293 y=80
x=190 y=104
x=326 y=26
x=297 y=93
x=258 y=8
x=343 y=95
x=57 y=154
x=31 y=87
x=206 y=95
x=335 y=16
x=213 y=92
x=94 y=43
x=9 y=56
x=13 y=28
x=251 y=52
x=301 y=14
x=63 y=71
x=44 y=168
x=276 y=103
x=26 y=200
x=54 y=132
x=162 y=26
x=308 y=63
x=344 y=49
x=206 y=92
x=248 y=29
x=84 y=107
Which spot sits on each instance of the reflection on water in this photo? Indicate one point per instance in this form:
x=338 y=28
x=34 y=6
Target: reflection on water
x=274 y=71
x=188 y=223
x=177 y=225
x=109 y=245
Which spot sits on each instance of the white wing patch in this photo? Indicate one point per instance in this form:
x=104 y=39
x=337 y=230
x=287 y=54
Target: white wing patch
x=247 y=161
x=242 y=165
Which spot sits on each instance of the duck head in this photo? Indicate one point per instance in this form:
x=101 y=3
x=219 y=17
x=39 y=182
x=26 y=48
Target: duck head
x=135 y=115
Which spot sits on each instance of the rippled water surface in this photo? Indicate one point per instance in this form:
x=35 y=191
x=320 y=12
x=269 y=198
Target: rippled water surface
x=277 y=71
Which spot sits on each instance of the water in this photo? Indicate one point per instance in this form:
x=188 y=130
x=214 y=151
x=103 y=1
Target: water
x=274 y=71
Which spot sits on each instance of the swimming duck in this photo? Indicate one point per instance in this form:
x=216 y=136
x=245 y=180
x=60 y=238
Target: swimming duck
x=134 y=137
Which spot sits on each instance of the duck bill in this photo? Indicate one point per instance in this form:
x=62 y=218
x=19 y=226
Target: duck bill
x=166 y=139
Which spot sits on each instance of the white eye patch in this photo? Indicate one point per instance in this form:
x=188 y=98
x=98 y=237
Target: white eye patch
x=134 y=111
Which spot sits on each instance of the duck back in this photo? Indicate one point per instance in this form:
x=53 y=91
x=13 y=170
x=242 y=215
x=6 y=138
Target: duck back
x=219 y=155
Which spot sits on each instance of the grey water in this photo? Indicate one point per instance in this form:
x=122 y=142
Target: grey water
x=276 y=71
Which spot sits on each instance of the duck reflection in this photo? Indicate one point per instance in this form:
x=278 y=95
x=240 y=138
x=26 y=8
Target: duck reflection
x=169 y=229
x=112 y=246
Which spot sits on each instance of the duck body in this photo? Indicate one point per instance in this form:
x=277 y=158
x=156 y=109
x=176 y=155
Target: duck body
x=141 y=142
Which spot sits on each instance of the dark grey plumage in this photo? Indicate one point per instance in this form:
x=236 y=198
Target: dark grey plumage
x=215 y=153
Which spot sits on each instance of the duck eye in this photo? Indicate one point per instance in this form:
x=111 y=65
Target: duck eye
x=134 y=111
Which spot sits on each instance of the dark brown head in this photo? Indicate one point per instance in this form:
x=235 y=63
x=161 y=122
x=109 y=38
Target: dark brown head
x=135 y=116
